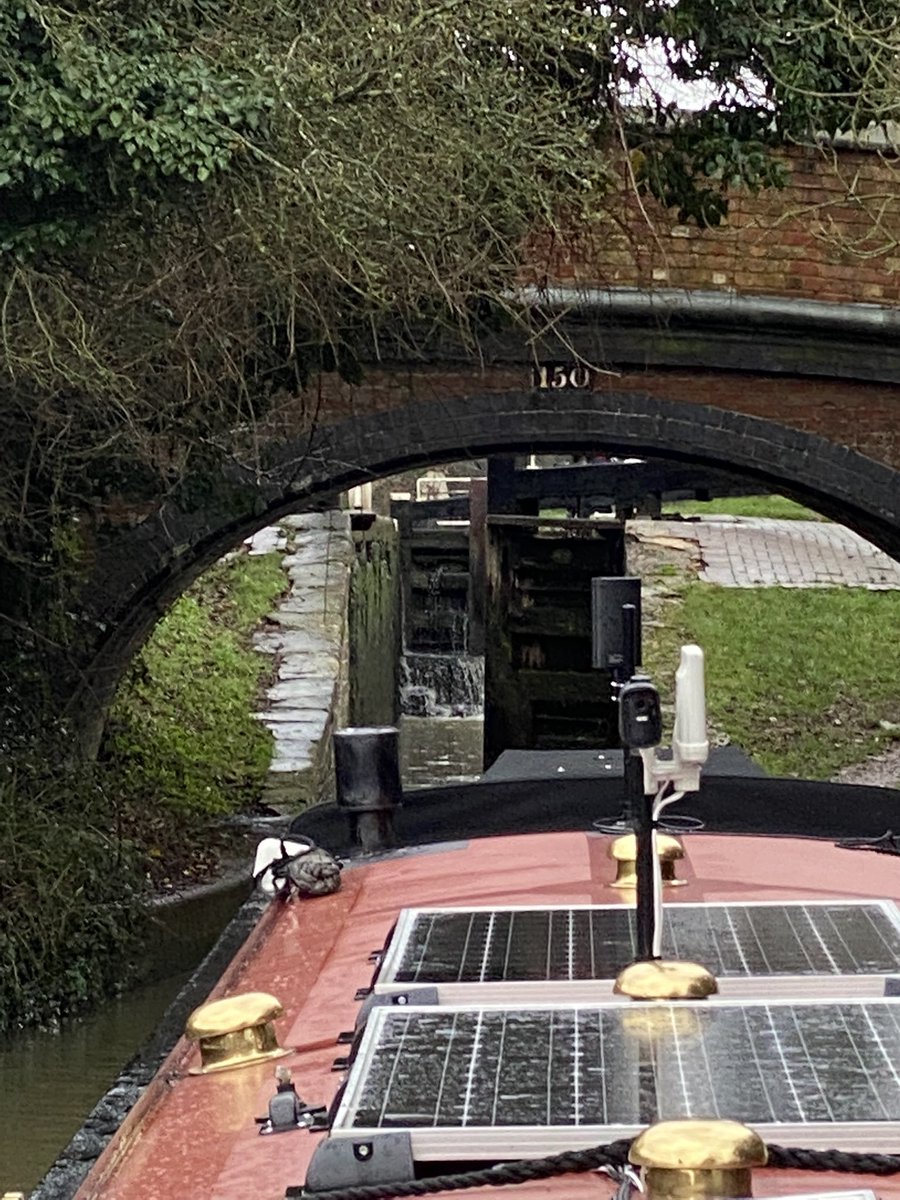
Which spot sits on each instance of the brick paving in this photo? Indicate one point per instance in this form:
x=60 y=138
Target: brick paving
x=757 y=552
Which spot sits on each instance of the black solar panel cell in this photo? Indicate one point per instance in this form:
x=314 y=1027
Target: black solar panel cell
x=731 y=940
x=620 y=1066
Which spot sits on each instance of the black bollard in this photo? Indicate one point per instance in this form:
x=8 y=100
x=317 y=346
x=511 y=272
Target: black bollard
x=367 y=783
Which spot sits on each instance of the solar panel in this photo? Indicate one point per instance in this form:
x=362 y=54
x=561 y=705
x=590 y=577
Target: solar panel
x=854 y=1194
x=512 y=952
x=488 y=1082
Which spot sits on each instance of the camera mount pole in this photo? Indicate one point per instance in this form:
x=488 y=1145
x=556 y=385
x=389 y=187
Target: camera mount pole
x=638 y=807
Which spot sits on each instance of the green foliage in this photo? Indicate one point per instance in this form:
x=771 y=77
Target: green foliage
x=96 y=109
x=183 y=741
x=204 y=203
x=69 y=894
x=795 y=67
x=800 y=678
x=696 y=165
x=723 y=82
x=76 y=842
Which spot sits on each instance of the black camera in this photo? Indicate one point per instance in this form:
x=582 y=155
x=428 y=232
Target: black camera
x=640 y=715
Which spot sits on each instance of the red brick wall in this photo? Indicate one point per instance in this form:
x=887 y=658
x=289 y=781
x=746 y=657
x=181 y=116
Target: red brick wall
x=862 y=416
x=832 y=234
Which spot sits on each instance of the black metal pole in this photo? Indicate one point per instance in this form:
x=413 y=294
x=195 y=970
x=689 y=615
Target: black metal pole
x=629 y=640
x=617 y=647
x=645 y=915
x=638 y=806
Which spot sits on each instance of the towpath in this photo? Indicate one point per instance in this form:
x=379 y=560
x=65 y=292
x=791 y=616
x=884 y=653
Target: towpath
x=752 y=552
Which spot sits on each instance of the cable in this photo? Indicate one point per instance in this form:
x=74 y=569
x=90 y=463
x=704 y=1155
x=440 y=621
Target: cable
x=660 y=802
x=615 y=1154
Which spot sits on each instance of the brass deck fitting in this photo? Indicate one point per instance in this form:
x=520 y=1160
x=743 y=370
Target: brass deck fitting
x=235 y=1032
x=665 y=979
x=692 y=1160
x=623 y=851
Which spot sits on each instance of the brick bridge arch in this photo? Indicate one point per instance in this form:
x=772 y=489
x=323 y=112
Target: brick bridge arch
x=767 y=346
x=146 y=568
x=833 y=479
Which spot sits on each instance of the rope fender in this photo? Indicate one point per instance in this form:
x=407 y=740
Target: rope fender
x=614 y=1154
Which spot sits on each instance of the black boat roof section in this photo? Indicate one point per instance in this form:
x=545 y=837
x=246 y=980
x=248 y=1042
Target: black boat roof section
x=590 y=764
x=725 y=804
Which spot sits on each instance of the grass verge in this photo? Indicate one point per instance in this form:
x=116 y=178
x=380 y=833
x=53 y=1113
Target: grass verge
x=774 y=507
x=801 y=679
x=182 y=741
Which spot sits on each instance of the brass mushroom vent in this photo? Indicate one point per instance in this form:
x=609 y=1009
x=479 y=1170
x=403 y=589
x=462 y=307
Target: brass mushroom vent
x=623 y=851
x=695 y=1159
x=665 y=979
x=235 y=1032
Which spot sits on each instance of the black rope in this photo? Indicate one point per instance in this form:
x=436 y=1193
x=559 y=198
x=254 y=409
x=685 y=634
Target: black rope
x=614 y=1154
x=796 y=1158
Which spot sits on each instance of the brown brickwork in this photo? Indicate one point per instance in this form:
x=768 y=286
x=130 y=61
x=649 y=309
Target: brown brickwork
x=805 y=398
x=862 y=416
x=832 y=234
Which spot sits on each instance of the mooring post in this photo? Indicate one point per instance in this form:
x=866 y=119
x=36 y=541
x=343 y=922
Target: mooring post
x=367 y=783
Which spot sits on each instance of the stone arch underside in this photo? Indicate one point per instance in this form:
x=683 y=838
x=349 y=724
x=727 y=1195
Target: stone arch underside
x=309 y=472
x=834 y=479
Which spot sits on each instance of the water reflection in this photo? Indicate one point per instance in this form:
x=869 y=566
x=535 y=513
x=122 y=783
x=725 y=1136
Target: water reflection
x=438 y=750
x=51 y=1081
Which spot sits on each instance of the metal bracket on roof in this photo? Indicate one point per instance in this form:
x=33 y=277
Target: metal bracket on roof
x=416 y=995
x=888 y=843
x=353 y=1162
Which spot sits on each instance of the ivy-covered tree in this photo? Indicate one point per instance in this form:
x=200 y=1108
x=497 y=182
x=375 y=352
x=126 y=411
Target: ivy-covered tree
x=202 y=201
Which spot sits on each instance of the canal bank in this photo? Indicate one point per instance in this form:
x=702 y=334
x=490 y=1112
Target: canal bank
x=52 y=1079
x=335 y=643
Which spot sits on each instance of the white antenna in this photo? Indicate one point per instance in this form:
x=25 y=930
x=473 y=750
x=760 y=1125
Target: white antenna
x=680 y=773
x=690 y=745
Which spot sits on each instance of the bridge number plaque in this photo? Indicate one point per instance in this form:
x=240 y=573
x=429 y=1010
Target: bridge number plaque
x=556 y=376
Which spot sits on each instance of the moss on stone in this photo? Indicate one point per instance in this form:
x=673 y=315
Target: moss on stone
x=374 y=621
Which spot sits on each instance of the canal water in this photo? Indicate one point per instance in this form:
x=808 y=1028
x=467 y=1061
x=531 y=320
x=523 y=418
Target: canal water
x=442 y=726
x=436 y=750
x=50 y=1080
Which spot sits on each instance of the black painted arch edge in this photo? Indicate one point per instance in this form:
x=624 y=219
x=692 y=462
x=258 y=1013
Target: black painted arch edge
x=309 y=472
x=377 y=444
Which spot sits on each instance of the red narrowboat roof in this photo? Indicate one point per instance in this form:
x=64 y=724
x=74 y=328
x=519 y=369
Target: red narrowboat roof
x=195 y=1135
